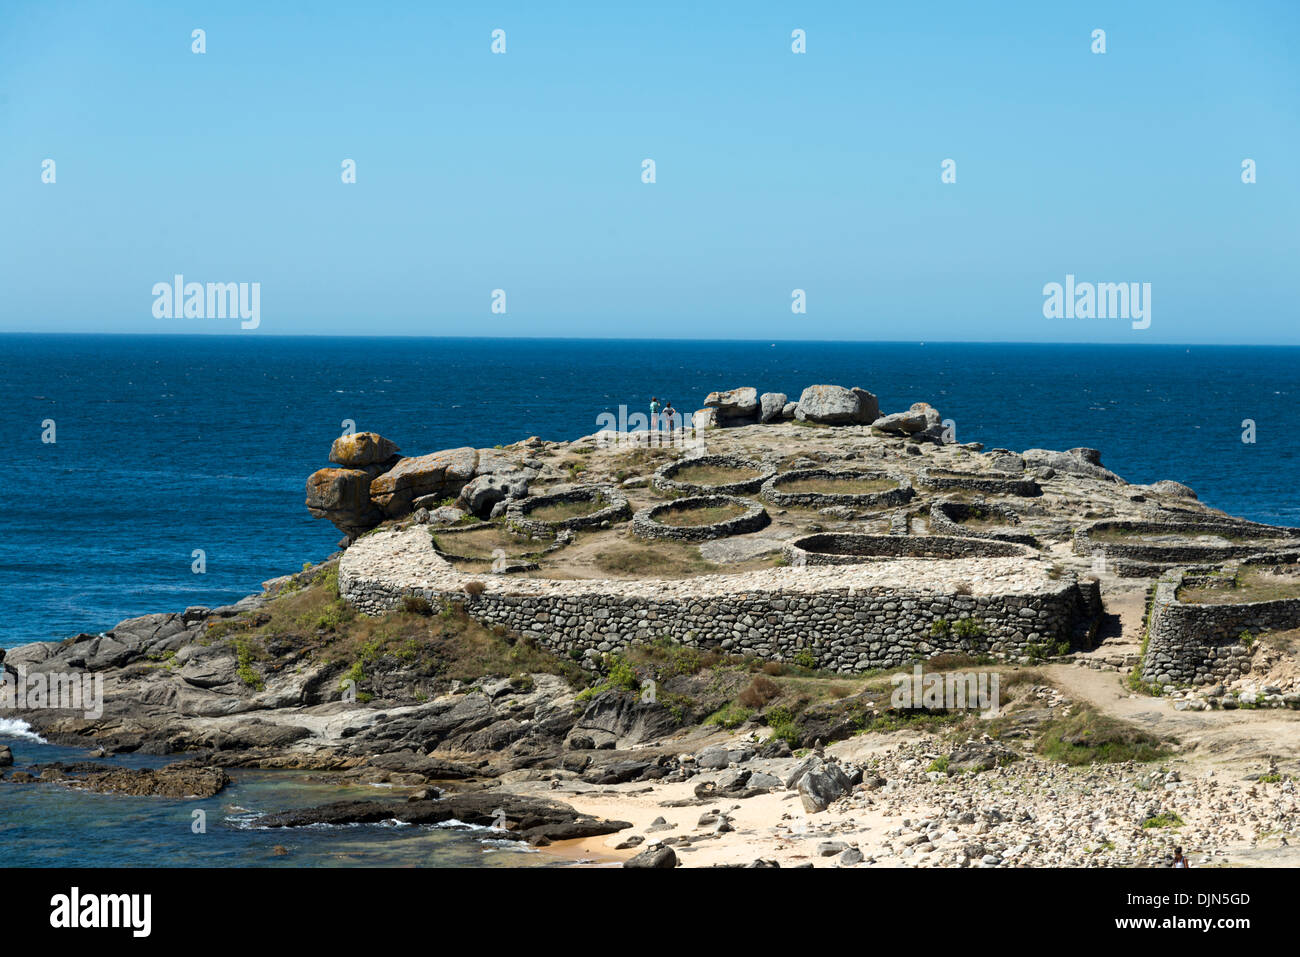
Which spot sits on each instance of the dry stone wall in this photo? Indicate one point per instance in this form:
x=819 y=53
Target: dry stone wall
x=1201 y=643
x=846 y=619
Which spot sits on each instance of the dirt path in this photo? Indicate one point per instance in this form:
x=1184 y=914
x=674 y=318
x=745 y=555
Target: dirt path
x=1233 y=742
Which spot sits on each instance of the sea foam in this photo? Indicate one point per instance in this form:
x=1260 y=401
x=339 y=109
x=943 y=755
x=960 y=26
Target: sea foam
x=15 y=728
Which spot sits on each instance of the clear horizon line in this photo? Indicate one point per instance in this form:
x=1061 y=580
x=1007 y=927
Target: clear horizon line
x=773 y=340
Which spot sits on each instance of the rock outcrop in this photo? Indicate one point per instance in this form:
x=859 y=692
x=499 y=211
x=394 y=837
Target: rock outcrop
x=836 y=405
x=342 y=495
x=373 y=482
x=362 y=448
x=734 y=405
x=1085 y=463
x=771 y=405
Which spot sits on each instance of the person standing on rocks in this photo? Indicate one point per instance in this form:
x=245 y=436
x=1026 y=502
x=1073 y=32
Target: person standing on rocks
x=654 y=413
x=1179 y=860
x=668 y=414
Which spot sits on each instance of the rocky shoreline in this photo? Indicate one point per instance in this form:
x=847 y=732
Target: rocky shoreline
x=697 y=733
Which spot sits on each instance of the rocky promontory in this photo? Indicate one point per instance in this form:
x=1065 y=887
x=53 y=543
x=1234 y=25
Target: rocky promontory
x=690 y=640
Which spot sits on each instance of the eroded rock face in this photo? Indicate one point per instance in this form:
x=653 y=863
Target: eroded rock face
x=901 y=423
x=442 y=474
x=836 y=405
x=618 y=720
x=1082 y=462
x=362 y=448
x=1172 y=488
x=343 y=496
x=735 y=406
x=485 y=491
x=770 y=406
x=373 y=482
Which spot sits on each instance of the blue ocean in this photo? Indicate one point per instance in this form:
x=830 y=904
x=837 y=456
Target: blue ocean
x=165 y=445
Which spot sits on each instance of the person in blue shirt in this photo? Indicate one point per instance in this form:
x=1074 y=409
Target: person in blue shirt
x=654 y=414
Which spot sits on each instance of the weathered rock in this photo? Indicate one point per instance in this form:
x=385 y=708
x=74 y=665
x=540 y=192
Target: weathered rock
x=822 y=785
x=734 y=404
x=655 y=857
x=623 y=720
x=533 y=819
x=186 y=779
x=362 y=448
x=442 y=474
x=343 y=496
x=717 y=758
x=705 y=419
x=1082 y=462
x=788 y=411
x=770 y=406
x=1171 y=488
x=901 y=423
x=485 y=491
x=6 y=756
x=836 y=405
x=1004 y=460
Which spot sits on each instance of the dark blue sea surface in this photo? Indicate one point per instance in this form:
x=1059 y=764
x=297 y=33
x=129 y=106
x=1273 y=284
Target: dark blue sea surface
x=168 y=444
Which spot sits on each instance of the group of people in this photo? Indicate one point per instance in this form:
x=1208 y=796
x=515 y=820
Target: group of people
x=667 y=412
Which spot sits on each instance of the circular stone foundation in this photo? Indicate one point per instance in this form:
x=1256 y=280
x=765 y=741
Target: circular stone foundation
x=979 y=482
x=664 y=477
x=615 y=508
x=853 y=549
x=946 y=518
x=1176 y=542
x=646 y=522
x=885 y=498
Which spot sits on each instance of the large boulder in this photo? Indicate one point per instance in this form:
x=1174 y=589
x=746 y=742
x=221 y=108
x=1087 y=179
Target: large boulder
x=705 y=419
x=1085 y=463
x=1171 y=488
x=901 y=423
x=442 y=474
x=836 y=405
x=343 y=497
x=361 y=448
x=770 y=406
x=659 y=857
x=734 y=404
x=822 y=784
x=485 y=491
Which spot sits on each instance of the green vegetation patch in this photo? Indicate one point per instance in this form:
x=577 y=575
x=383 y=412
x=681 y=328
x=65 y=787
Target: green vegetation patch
x=1088 y=737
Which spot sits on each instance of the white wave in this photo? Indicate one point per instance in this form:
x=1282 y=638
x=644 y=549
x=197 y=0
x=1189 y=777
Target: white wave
x=15 y=728
x=452 y=824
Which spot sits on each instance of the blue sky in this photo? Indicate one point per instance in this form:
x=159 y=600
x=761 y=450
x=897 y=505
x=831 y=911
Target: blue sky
x=775 y=171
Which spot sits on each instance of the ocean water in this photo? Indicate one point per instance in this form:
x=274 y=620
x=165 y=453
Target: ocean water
x=170 y=444
x=47 y=825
